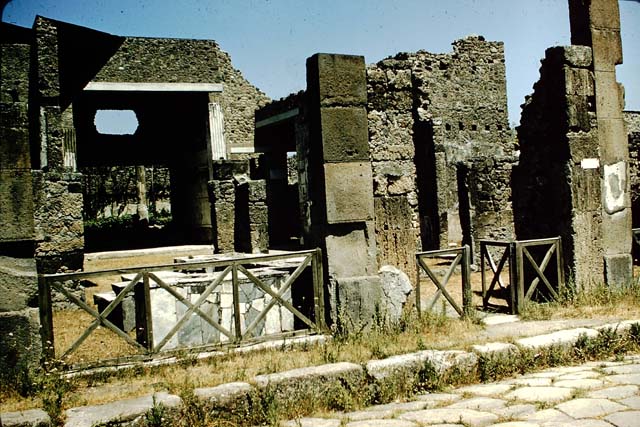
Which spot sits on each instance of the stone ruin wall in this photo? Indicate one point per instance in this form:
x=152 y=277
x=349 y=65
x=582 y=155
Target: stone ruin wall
x=632 y=121
x=557 y=183
x=191 y=61
x=447 y=114
x=20 y=344
x=16 y=206
x=196 y=61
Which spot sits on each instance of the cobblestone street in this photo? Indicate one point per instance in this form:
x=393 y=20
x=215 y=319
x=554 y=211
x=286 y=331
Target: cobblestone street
x=595 y=394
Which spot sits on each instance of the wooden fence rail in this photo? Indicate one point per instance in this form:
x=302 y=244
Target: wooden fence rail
x=140 y=286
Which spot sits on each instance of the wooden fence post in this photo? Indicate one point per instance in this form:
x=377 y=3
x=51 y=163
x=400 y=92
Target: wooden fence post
x=467 y=296
x=144 y=320
x=46 y=318
x=318 y=290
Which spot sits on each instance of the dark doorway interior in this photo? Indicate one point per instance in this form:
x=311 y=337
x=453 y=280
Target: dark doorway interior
x=168 y=138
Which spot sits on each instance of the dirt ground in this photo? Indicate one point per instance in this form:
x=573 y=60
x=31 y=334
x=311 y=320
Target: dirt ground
x=440 y=266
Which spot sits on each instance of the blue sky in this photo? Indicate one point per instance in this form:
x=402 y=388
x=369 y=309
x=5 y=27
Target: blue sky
x=269 y=40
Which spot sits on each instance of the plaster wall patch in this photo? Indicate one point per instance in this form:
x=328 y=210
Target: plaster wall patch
x=615 y=178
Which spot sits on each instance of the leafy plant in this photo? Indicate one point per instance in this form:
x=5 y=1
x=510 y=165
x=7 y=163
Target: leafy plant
x=157 y=415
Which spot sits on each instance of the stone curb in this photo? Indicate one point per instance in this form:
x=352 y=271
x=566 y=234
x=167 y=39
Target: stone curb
x=410 y=365
x=30 y=418
x=301 y=383
x=121 y=411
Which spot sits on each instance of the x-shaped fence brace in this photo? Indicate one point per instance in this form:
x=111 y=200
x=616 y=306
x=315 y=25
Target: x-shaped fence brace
x=47 y=282
x=519 y=256
x=100 y=317
x=496 y=278
x=539 y=269
x=461 y=258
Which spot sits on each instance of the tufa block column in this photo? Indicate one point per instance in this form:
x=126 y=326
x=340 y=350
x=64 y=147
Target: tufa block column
x=341 y=184
x=596 y=23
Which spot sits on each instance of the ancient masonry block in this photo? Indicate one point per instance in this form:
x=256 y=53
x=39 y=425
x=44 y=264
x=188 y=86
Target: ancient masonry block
x=342 y=190
x=20 y=343
x=239 y=208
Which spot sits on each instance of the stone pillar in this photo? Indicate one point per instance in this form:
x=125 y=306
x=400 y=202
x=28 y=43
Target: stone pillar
x=596 y=23
x=258 y=216
x=223 y=199
x=16 y=203
x=239 y=211
x=20 y=345
x=341 y=187
x=59 y=226
x=251 y=215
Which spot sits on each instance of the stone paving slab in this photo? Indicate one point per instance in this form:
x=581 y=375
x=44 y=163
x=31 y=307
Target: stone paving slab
x=480 y=404
x=590 y=408
x=516 y=424
x=369 y=414
x=437 y=399
x=589 y=383
x=633 y=379
x=529 y=381
x=617 y=392
x=624 y=419
x=382 y=423
x=486 y=390
x=467 y=417
x=516 y=411
x=632 y=402
x=311 y=422
x=623 y=369
x=592 y=401
x=548 y=394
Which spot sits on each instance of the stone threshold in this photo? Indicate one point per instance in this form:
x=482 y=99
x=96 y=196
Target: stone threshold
x=297 y=382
